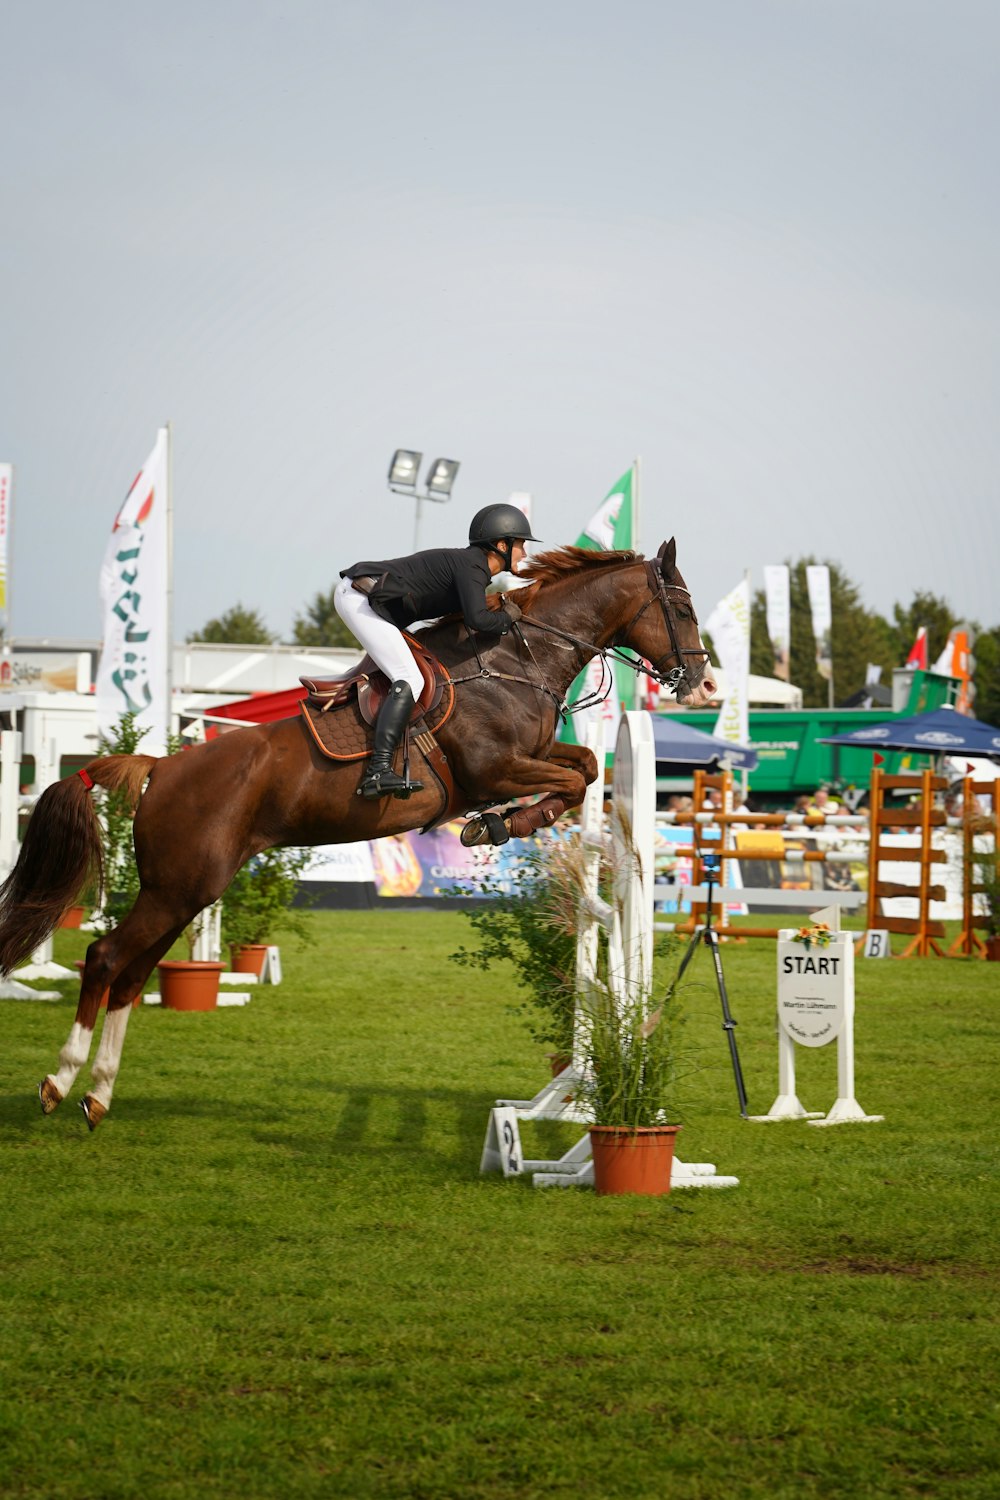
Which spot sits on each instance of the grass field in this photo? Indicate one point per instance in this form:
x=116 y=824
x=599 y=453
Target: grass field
x=275 y=1271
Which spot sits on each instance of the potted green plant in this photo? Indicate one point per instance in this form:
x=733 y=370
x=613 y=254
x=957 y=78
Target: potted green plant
x=258 y=904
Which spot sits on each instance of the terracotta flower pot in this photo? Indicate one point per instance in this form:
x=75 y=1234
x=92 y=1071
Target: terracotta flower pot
x=633 y=1161
x=73 y=917
x=250 y=959
x=189 y=985
x=993 y=949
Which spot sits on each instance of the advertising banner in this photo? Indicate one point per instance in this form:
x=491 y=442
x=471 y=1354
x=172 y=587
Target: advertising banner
x=133 y=674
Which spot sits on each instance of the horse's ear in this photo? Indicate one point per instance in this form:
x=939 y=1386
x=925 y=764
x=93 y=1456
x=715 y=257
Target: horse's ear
x=667 y=559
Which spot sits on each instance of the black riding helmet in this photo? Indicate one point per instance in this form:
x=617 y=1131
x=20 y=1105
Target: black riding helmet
x=498 y=527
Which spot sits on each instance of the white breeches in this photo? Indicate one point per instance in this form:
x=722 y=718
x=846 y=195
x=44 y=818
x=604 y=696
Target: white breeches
x=381 y=640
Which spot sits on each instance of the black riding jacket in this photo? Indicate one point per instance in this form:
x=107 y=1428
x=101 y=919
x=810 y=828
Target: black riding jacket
x=441 y=581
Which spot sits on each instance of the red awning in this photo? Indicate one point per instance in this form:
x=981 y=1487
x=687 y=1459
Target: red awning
x=259 y=708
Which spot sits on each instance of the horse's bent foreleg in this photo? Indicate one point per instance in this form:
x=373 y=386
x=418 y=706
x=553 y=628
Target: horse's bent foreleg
x=576 y=758
x=563 y=782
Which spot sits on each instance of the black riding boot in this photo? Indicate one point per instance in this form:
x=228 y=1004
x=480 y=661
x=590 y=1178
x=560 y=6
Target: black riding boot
x=380 y=780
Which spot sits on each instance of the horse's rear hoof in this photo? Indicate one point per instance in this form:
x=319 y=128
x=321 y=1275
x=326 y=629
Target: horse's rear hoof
x=94 y=1110
x=49 y=1096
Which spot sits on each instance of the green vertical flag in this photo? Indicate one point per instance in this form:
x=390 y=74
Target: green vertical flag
x=611 y=527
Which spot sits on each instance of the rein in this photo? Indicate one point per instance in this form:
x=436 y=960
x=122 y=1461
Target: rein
x=540 y=687
x=660 y=592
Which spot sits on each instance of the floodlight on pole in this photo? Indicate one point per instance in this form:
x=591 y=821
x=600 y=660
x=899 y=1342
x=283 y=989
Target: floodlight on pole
x=404 y=470
x=440 y=478
x=403 y=476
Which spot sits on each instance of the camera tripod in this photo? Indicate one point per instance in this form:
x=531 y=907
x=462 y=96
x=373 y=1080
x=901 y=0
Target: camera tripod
x=708 y=936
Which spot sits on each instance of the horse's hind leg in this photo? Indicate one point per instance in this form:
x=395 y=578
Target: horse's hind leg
x=97 y=1101
x=55 y=1086
x=106 y=1064
x=148 y=930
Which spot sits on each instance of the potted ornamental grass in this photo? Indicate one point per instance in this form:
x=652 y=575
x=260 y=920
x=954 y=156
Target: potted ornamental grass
x=628 y=1047
x=626 y=1038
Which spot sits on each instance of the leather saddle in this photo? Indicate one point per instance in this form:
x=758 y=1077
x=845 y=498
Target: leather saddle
x=340 y=711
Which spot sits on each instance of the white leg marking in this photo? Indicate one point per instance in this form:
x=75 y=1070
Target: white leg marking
x=109 y=1054
x=72 y=1058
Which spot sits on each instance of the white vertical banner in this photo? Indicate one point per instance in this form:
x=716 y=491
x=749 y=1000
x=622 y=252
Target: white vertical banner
x=133 y=674
x=872 y=676
x=6 y=498
x=729 y=627
x=777 y=593
x=818 y=583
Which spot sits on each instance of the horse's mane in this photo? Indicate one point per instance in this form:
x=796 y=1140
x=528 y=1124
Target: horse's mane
x=549 y=567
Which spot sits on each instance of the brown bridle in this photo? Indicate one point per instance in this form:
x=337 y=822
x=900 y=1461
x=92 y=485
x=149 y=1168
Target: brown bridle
x=660 y=593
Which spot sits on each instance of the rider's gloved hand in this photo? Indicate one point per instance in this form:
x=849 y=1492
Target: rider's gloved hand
x=512 y=611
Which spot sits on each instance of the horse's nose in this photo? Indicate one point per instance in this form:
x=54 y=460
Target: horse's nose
x=710 y=686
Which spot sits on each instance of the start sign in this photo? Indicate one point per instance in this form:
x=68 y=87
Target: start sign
x=815 y=987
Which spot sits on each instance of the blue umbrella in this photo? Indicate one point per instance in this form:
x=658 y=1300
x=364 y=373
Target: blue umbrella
x=941 y=732
x=678 y=743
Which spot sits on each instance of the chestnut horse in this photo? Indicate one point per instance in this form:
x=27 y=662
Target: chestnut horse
x=205 y=812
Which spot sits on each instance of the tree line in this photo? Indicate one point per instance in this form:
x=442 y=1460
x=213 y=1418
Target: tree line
x=859 y=636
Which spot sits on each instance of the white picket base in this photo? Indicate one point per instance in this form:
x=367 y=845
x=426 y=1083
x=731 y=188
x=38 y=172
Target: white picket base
x=11 y=990
x=45 y=970
x=848 y=1112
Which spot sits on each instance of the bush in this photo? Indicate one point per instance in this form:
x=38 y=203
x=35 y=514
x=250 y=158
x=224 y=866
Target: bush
x=257 y=902
x=533 y=930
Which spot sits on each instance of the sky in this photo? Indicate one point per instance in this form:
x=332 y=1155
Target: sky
x=754 y=243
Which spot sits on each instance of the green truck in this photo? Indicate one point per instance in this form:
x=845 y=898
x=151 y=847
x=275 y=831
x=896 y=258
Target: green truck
x=793 y=761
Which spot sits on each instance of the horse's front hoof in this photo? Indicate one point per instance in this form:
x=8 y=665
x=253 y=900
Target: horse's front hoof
x=94 y=1110
x=487 y=828
x=49 y=1096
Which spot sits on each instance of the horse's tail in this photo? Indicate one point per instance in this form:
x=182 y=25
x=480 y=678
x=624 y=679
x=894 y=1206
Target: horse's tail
x=61 y=852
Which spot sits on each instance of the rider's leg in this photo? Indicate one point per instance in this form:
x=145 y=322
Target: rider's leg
x=380 y=779
x=383 y=642
x=386 y=646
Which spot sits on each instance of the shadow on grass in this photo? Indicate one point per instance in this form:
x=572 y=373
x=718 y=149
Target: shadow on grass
x=364 y=1121
x=434 y=1126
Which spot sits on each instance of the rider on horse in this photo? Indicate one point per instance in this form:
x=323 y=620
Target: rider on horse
x=377 y=600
